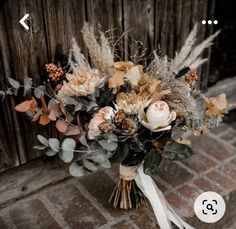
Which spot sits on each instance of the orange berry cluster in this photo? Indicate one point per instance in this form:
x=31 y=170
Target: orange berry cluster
x=55 y=72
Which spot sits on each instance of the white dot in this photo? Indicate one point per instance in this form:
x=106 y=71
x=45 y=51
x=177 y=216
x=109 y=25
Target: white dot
x=209 y=22
x=203 y=22
x=215 y=22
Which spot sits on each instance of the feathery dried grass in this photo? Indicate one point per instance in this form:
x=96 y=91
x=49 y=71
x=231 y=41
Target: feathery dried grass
x=188 y=55
x=100 y=52
x=163 y=68
x=77 y=60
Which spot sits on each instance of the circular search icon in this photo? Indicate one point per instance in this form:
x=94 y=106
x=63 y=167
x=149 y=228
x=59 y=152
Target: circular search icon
x=209 y=207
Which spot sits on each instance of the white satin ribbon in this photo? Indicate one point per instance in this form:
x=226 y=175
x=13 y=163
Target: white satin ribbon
x=164 y=213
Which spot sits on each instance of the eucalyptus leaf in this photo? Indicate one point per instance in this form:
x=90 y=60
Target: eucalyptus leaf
x=151 y=162
x=108 y=145
x=78 y=107
x=54 y=144
x=106 y=164
x=76 y=170
x=28 y=82
x=42 y=140
x=89 y=165
x=70 y=101
x=51 y=153
x=83 y=141
x=2 y=93
x=68 y=146
x=176 y=151
x=121 y=153
x=91 y=105
x=110 y=137
x=40 y=147
x=8 y=91
x=14 y=91
x=39 y=91
x=14 y=83
x=98 y=156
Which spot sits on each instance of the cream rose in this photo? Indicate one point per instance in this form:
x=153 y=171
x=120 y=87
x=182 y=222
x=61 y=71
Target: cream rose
x=158 y=117
x=104 y=114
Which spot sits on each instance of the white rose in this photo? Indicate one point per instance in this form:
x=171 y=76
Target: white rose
x=104 y=114
x=158 y=117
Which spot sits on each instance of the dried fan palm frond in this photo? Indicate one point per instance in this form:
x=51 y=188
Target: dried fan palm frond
x=77 y=60
x=100 y=51
x=189 y=56
x=187 y=47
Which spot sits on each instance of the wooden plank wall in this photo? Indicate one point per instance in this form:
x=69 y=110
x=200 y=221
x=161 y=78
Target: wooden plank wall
x=152 y=24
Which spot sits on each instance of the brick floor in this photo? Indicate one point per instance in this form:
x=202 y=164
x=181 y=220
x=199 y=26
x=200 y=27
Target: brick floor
x=83 y=203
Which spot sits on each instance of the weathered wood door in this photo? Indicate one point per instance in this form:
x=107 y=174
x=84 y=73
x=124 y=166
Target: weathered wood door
x=53 y=23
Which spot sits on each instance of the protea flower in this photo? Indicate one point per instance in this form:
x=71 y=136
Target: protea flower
x=132 y=103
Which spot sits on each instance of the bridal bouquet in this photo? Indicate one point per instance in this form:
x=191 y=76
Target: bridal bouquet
x=122 y=112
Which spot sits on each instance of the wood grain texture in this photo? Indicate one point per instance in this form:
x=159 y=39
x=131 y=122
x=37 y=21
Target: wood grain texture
x=25 y=57
x=24 y=180
x=139 y=19
x=63 y=20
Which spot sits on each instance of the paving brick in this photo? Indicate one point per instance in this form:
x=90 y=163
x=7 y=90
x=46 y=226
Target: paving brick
x=189 y=191
x=173 y=174
x=101 y=186
x=181 y=206
x=233 y=162
x=206 y=185
x=2 y=225
x=123 y=225
x=144 y=221
x=215 y=148
x=221 y=180
x=32 y=214
x=198 y=162
x=229 y=170
x=229 y=135
x=75 y=209
x=221 y=128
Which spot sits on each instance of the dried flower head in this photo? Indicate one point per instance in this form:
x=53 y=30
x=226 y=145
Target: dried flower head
x=103 y=115
x=191 y=79
x=81 y=85
x=129 y=126
x=119 y=116
x=55 y=72
x=131 y=103
x=106 y=127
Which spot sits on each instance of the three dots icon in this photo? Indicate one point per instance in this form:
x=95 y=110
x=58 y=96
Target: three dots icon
x=209 y=22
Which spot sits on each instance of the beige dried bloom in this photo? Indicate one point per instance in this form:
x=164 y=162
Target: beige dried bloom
x=131 y=103
x=81 y=85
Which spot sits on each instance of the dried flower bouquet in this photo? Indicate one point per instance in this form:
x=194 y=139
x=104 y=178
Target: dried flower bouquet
x=123 y=112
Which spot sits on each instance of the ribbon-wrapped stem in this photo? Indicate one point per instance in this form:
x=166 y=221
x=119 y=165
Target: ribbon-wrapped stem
x=132 y=190
x=127 y=194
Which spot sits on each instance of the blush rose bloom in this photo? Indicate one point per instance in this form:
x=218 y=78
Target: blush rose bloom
x=158 y=117
x=104 y=114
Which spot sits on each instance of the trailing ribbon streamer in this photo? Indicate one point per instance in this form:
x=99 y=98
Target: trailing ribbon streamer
x=164 y=213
